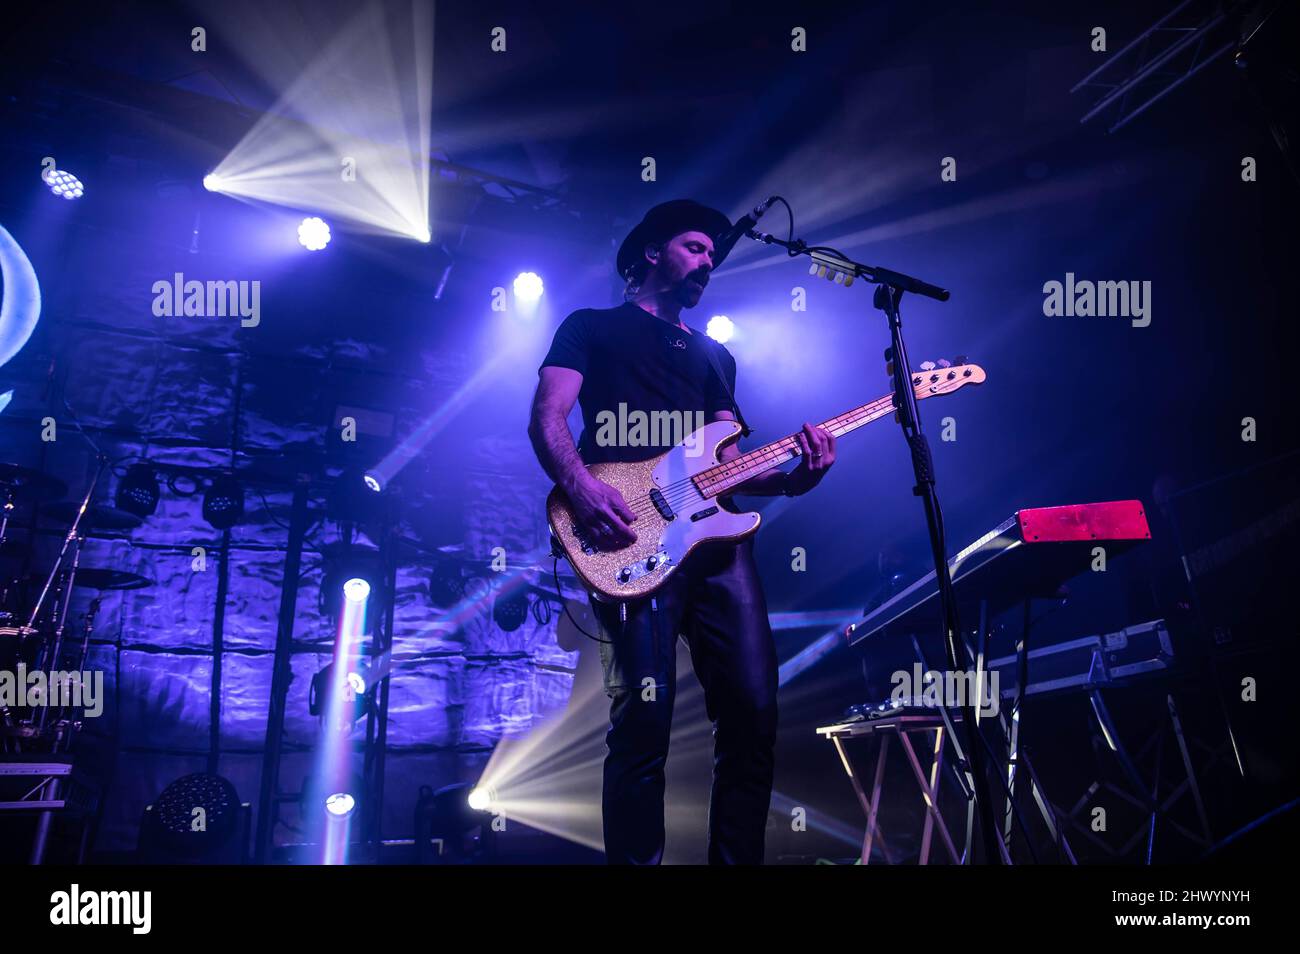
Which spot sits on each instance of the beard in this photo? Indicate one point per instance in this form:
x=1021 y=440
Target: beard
x=690 y=289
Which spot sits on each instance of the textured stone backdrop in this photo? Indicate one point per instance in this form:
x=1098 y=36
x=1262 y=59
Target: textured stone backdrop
x=180 y=391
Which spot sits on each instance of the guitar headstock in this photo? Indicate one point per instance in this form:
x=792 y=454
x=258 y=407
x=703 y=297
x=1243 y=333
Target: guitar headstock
x=943 y=376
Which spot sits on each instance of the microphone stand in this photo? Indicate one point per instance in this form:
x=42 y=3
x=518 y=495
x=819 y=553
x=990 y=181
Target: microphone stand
x=890 y=286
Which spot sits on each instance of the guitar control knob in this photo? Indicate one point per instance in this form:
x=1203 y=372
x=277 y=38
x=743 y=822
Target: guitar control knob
x=651 y=563
x=625 y=574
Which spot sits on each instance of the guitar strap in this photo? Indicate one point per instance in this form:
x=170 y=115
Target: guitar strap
x=711 y=350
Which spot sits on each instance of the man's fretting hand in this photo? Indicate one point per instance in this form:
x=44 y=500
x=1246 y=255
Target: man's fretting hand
x=817 y=447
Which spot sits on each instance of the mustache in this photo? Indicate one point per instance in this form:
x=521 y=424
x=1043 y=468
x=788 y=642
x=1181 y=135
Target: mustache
x=699 y=276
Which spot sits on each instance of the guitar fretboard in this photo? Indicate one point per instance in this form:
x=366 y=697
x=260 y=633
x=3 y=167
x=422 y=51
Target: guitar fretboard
x=724 y=477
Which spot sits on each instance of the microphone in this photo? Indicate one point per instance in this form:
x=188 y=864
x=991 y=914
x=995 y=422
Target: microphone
x=727 y=241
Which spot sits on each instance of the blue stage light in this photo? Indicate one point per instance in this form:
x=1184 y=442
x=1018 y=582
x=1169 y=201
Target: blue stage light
x=528 y=286
x=64 y=183
x=720 y=329
x=356 y=590
x=314 y=234
x=340 y=804
x=212 y=182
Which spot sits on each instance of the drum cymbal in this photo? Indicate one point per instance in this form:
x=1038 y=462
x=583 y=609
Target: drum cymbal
x=98 y=578
x=28 y=484
x=96 y=518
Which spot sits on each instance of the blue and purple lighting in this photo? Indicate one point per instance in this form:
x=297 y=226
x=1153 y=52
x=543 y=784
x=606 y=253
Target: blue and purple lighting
x=64 y=184
x=528 y=287
x=313 y=233
x=335 y=748
x=720 y=329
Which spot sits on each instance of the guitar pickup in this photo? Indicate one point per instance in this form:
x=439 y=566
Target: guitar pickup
x=703 y=513
x=661 y=505
x=587 y=546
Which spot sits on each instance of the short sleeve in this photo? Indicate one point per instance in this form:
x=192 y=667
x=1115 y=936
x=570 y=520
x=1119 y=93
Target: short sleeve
x=571 y=346
x=716 y=397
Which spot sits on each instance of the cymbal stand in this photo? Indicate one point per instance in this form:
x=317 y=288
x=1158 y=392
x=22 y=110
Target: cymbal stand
x=72 y=535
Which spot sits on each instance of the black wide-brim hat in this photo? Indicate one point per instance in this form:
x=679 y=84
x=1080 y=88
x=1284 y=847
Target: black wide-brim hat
x=663 y=222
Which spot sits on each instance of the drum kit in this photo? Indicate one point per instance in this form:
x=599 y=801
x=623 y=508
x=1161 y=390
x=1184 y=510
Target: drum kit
x=35 y=635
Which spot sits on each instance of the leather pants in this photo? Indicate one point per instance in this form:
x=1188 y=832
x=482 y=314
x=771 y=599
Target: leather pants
x=715 y=600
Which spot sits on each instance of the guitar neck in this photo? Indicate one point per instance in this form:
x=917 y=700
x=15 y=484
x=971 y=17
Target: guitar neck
x=727 y=476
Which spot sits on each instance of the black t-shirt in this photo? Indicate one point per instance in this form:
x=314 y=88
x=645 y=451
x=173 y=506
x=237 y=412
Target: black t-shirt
x=646 y=384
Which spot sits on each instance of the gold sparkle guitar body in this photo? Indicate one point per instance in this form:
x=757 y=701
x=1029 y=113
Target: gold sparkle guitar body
x=676 y=495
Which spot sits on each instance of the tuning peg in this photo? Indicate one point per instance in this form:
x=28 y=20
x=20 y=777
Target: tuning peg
x=927 y=365
x=889 y=369
x=959 y=359
x=944 y=363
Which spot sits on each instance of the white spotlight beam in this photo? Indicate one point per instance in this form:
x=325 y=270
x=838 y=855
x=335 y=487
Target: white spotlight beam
x=349 y=139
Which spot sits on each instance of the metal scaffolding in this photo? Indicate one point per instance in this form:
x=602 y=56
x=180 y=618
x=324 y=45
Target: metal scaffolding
x=1160 y=59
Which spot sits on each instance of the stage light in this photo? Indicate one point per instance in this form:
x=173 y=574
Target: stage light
x=360 y=103
x=424 y=235
x=347 y=710
x=314 y=233
x=353 y=498
x=63 y=183
x=137 y=492
x=372 y=481
x=510 y=611
x=20 y=302
x=340 y=804
x=352 y=585
x=720 y=329
x=223 y=502
x=481 y=799
x=528 y=286
x=168 y=834
x=446 y=814
x=212 y=182
x=356 y=590
x=446 y=586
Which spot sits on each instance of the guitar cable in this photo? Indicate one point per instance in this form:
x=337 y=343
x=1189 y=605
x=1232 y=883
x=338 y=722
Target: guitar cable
x=559 y=595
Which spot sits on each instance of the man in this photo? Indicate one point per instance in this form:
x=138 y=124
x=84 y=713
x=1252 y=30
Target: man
x=642 y=355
